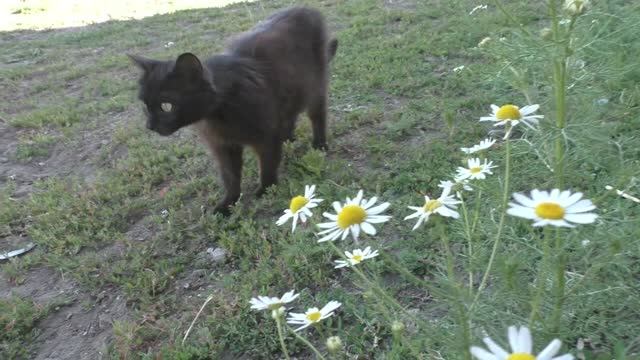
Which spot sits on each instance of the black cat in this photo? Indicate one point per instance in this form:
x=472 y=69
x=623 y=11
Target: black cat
x=250 y=95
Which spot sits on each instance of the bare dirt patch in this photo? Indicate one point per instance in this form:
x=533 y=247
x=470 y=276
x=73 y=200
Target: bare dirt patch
x=80 y=327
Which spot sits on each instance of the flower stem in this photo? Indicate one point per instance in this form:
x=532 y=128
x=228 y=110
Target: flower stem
x=540 y=283
x=467 y=232
x=307 y=343
x=505 y=199
x=560 y=284
x=476 y=212
x=281 y=337
x=458 y=300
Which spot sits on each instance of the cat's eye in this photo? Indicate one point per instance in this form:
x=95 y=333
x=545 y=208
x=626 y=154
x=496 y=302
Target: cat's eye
x=166 y=107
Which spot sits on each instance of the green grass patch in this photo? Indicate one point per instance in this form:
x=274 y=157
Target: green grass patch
x=399 y=115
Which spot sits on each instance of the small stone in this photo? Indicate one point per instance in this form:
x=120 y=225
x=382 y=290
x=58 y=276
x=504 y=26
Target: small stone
x=4 y=159
x=69 y=315
x=217 y=255
x=200 y=273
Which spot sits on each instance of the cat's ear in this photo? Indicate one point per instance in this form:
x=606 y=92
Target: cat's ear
x=189 y=66
x=143 y=63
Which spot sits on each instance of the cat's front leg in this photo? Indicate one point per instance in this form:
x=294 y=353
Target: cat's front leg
x=230 y=167
x=269 y=154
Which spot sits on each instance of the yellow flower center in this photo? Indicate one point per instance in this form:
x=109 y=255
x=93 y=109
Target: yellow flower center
x=351 y=215
x=508 y=112
x=356 y=259
x=314 y=316
x=549 y=210
x=431 y=205
x=475 y=170
x=297 y=203
x=521 y=356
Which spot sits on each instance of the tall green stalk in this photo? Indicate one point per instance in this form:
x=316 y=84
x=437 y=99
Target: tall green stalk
x=279 y=325
x=559 y=288
x=308 y=344
x=458 y=300
x=540 y=278
x=503 y=213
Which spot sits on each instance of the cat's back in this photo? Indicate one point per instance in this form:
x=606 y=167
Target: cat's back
x=294 y=35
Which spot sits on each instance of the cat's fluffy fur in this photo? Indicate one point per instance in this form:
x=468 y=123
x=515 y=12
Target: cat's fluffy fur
x=250 y=95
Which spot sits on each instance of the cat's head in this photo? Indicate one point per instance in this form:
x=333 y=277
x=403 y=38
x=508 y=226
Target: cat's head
x=175 y=93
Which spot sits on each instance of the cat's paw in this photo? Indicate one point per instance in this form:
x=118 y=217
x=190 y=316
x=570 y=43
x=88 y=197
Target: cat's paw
x=322 y=146
x=222 y=209
x=262 y=190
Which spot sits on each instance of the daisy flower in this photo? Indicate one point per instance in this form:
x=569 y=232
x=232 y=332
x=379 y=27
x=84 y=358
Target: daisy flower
x=272 y=303
x=513 y=115
x=299 y=207
x=521 y=347
x=475 y=170
x=462 y=184
x=313 y=315
x=553 y=208
x=484 y=144
x=357 y=214
x=444 y=205
x=356 y=257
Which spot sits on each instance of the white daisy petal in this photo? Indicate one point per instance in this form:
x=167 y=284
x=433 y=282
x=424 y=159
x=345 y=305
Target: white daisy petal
x=414 y=215
x=358 y=197
x=369 y=203
x=581 y=218
x=495 y=348
x=355 y=231
x=550 y=351
x=378 y=209
x=581 y=206
x=483 y=354
x=377 y=219
x=524 y=339
x=368 y=228
x=336 y=206
x=529 y=109
x=512 y=335
x=420 y=221
x=521 y=211
x=525 y=201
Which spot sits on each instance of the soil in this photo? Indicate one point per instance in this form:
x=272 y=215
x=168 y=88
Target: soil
x=81 y=328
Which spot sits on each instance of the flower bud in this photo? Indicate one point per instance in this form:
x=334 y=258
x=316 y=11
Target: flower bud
x=484 y=41
x=546 y=33
x=576 y=7
x=334 y=344
x=277 y=313
x=397 y=328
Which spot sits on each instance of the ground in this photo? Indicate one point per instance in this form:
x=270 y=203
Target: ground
x=124 y=256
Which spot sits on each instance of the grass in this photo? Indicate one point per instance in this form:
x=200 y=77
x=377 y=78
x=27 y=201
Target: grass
x=399 y=114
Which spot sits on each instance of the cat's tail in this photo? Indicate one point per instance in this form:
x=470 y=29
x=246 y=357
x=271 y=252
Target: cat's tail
x=331 y=49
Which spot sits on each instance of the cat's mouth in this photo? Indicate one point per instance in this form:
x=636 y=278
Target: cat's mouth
x=164 y=131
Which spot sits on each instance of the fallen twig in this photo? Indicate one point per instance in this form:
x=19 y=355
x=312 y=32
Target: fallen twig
x=196 y=318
